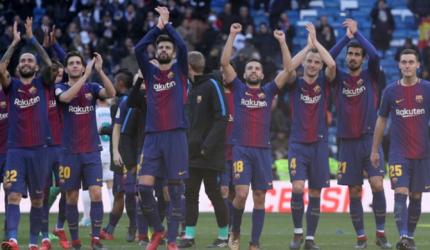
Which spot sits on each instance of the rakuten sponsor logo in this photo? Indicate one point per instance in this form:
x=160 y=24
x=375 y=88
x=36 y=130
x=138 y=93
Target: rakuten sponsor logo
x=310 y=100
x=405 y=113
x=353 y=92
x=249 y=103
x=163 y=87
x=22 y=103
x=78 y=110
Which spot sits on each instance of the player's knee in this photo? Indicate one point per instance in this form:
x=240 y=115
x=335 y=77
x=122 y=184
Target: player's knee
x=415 y=195
x=14 y=198
x=259 y=197
x=355 y=191
x=72 y=197
x=37 y=202
x=376 y=183
x=298 y=187
x=401 y=190
x=315 y=192
x=241 y=196
x=95 y=194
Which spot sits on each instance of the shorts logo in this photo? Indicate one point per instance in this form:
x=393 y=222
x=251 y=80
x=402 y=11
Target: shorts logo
x=399 y=101
x=181 y=173
x=99 y=180
x=199 y=99
x=419 y=99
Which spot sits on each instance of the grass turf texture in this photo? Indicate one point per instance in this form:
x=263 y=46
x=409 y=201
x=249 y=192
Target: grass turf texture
x=335 y=232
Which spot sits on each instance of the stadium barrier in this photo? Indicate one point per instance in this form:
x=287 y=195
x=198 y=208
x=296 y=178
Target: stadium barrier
x=335 y=199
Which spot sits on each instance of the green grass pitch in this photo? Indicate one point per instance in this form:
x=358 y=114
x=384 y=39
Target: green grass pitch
x=335 y=232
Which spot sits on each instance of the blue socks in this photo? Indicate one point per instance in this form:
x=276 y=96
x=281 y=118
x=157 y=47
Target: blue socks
x=175 y=210
x=72 y=216
x=297 y=209
x=36 y=215
x=401 y=213
x=257 y=225
x=148 y=205
x=414 y=213
x=130 y=208
x=96 y=215
x=312 y=216
x=237 y=219
x=13 y=216
x=61 y=212
x=356 y=213
x=142 y=222
x=379 y=210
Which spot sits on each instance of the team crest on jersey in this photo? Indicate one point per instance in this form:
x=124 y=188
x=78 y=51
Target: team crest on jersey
x=3 y=105
x=230 y=118
x=419 y=99
x=261 y=96
x=32 y=90
x=170 y=75
x=360 y=82
x=199 y=99
x=317 y=89
x=89 y=96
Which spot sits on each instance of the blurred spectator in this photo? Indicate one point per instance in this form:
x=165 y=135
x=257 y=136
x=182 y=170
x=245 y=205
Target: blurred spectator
x=84 y=19
x=244 y=17
x=424 y=31
x=262 y=4
x=303 y=4
x=237 y=4
x=278 y=131
x=265 y=42
x=289 y=30
x=44 y=25
x=426 y=62
x=407 y=45
x=325 y=33
x=382 y=25
x=226 y=19
x=276 y=8
x=420 y=8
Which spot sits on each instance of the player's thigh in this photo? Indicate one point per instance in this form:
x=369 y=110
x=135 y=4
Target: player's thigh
x=69 y=172
x=298 y=161
x=92 y=170
x=262 y=172
x=350 y=165
x=242 y=165
x=175 y=154
x=399 y=171
x=15 y=171
x=38 y=172
x=420 y=176
x=319 y=171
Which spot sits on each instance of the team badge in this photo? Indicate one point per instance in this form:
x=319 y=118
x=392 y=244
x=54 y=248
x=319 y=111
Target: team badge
x=32 y=90
x=88 y=96
x=199 y=99
x=360 y=82
x=3 y=105
x=171 y=75
x=230 y=118
x=419 y=98
x=261 y=96
x=317 y=89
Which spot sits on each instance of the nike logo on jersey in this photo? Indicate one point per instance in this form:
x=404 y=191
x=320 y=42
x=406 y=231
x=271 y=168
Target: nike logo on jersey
x=399 y=101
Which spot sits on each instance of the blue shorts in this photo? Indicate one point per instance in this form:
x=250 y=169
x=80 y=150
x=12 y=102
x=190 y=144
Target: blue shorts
x=252 y=165
x=412 y=174
x=125 y=182
x=225 y=177
x=309 y=162
x=85 y=168
x=354 y=161
x=2 y=164
x=54 y=153
x=165 y=155
x=26 y=168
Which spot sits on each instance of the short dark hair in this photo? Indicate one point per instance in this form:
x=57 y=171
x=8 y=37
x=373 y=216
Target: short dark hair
x=355 y=44
x=410 y=52
x=126 y=76
x=164 y=38
x=312 y=50
x=72 y=54
x=254 y=60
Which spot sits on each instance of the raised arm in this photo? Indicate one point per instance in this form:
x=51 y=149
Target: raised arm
x=7 y=56
x=228 y=70
x=181 y=52
x=108 y=90
x=285 y=74
x=330 y=70
x=135 y=97
x=368 y=47
x=68 y=95
x=337 y=48
x=141 y=49
x=33 y=41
